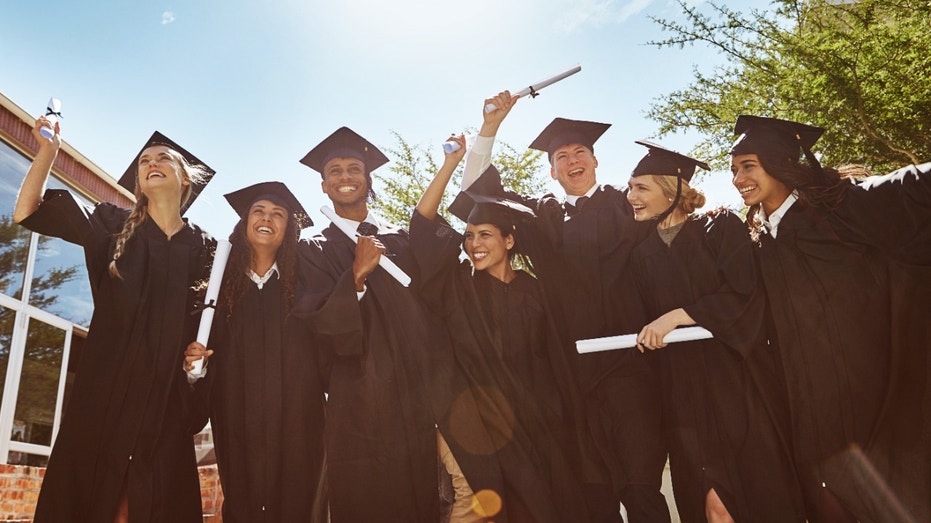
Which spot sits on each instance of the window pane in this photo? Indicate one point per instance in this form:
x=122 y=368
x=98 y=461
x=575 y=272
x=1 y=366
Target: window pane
x=38 y=388
x=24 y=458
x=14 y=239
x=7 y=317
x=59 y=283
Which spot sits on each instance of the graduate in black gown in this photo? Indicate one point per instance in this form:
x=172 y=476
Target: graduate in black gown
x=593 y=232
x=263 y=386
x=504 y=340
x=125 y=450
x=381 y=427
x=727 y=456
x=844 y=265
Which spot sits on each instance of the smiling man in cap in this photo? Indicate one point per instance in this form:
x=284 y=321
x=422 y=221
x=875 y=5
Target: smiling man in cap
x=381 y=430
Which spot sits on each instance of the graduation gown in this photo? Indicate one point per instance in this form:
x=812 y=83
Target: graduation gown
x=504 y=342
x=585 y=255
x=132 y=414
x=266 y=410
x=381 y=430
x=720 y=433
x=848 y=293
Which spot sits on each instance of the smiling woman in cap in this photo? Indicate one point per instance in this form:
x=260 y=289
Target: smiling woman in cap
x=264 y=383
x=725 y=454
x=124 y=449
x=844 y=267
x=591 y=231
x=507 y=346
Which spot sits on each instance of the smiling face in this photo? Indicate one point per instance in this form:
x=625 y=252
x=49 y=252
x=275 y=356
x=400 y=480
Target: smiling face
x=487 y=247
x=573 y=166
x=647 y=197
x=755 y=184
x=345 y=182
x=160 y=171
x=266 y=224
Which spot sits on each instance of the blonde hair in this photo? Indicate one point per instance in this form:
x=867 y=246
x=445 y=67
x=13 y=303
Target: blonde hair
x=191 y=173
x=690 y=199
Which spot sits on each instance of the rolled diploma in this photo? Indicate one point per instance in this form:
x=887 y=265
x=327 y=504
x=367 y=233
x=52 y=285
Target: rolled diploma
x=220 y=258
x=51 y=111
x=385 y=263
x=541 y=84
x=626 y=341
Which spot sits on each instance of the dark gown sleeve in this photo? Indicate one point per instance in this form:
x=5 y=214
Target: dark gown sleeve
x=436 y=247
x=724 y=311
x=330 y=302
x=893 y=212
x=60 y=215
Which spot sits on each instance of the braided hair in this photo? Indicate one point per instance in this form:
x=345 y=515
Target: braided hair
x=191 y=173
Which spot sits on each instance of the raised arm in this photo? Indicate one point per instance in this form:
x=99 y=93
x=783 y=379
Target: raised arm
x=430 y=200
x=478 y=158
x=30 y=193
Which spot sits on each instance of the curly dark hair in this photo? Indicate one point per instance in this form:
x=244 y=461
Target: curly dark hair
x=235 y=279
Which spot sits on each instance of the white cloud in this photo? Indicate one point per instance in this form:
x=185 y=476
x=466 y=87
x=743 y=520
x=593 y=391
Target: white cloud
x=168 y=17
x=598 y=13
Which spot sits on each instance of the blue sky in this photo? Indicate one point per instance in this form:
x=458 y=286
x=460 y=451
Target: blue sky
x=250 y=87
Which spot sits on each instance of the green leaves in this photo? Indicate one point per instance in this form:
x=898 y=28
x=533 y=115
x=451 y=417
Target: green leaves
x=414 y=167
x=858 y=69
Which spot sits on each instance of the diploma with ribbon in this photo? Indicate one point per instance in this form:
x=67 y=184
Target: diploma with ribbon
x=626 y=341
x=383 y=261
x=220 y=257
x=52 y=114
x=534 y=89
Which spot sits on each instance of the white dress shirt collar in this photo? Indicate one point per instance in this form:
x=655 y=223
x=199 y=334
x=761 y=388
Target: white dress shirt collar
x=571 y=198
x=260 y=281
x=370 y=218
x=771 y=222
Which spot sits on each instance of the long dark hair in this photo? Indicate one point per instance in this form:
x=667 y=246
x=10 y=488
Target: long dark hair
x=822 y=189
x=235 y=279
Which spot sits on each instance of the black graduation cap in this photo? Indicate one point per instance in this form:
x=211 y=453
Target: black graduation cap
x=344 y=143
x=485 y=191
x=562 y=131
x=757 y=133
x=480 y=208
x=128 y=180
x=276 y=192
x=662 y=161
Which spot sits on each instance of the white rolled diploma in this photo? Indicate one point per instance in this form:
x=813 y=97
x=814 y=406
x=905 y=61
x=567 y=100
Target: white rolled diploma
x=383 y=261
x=220 y=257
x=627 y=341
x=52 y=110
x=541 y=84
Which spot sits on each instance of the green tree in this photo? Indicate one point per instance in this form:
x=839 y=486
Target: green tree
x=414 y=167
x=855 y=67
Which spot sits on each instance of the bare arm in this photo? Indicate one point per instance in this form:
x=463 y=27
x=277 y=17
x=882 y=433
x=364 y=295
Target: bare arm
x=30 y=193
x=478 y=157
x=651 y=336
x=430 y=201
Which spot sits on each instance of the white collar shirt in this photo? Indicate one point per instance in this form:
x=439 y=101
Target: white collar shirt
x=571 y=198
x=771 y=222
x=260 y=281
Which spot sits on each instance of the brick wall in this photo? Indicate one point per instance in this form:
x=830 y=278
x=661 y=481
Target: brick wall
x=19 y=491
